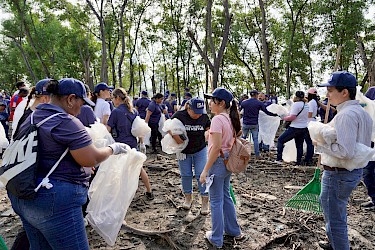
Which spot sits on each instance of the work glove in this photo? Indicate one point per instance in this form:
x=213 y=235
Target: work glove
x=142 y=148
x=118 y=148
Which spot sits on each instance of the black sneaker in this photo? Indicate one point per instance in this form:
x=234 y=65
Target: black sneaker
x=325 y=245
x=368 y=205
x=149 y=196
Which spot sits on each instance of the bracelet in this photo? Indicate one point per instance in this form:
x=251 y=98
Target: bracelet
x=110 y=148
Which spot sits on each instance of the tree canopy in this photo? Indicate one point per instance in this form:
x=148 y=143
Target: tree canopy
x=272 y=46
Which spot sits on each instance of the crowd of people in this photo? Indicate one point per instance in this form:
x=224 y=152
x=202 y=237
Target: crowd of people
x=210 y=141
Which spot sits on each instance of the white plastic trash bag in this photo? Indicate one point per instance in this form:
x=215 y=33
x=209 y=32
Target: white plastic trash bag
x=369 y=108
x=112 y=191
x=290 y=151
x=18 y=113
x=322 y=133
x=277 y=109
x=140 y=128
x=268 y=126
x=168 y=144
x=161 y=125
x=146 y=139
x=4 y=143
x=100 y=135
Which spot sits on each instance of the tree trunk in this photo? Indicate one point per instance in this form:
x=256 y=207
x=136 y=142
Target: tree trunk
x=266 y=55
x=122 y=35
x=25 y=58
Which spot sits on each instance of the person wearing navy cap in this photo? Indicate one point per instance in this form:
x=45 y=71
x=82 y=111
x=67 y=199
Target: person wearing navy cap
x=171 y=103
x=251 y=108
x=154 y=112
x=40 y=95
x=87 y=115
x=369 y=170
x=142 y=104
x=196 y=122
x=353 y=125
x=187 y=96
x=59 y=222
x=102 y=108
x=224 y=125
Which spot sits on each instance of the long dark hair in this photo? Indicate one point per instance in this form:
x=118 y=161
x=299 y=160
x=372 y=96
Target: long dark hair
x=312 y=97
x=32 y=92
x=233 y=114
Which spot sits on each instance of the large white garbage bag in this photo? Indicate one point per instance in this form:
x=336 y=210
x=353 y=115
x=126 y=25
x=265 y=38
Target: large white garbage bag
x=18 y=113
x=168 y=144
x=369 y=108
x=277 y=109
x=140 y=128
x=4 y=143
x=112 y=191
x=161 y=125
x=268 y=126
x=326 y=134
x=290 y=151
x=100 y=135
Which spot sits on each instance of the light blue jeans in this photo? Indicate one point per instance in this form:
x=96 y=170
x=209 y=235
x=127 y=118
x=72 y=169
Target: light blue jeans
x=336 y=189
x=54 y=219
x=223 y=212
x=198 y=160
x=254 y=131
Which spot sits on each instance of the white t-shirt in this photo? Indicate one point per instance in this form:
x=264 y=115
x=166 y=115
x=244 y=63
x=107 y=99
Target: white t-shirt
x=313 y=108
x=102 y=108
x=301 y=120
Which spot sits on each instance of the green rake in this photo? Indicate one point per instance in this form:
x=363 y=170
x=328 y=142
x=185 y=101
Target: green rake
x=307 y=199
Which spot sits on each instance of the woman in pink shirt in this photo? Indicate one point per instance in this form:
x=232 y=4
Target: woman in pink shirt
x=225 y=123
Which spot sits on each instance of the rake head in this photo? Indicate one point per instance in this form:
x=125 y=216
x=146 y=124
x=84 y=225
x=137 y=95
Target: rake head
x=307 y=199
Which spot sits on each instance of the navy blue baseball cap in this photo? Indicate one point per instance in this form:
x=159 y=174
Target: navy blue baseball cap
x=144 y=92
x=340 y=79
x=188 y=94
x=173 y=94
x=254 y=92
x=41 y=86
x=197 y=105
x=2 y=104
x=220 y=93
x=101 y=86
x=68 y=86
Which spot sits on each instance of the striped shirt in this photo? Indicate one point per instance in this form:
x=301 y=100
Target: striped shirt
x=352 y=124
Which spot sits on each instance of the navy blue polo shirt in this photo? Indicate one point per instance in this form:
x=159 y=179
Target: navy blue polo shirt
x=54 y=136
x=169 y=106
x=142 y=105
x=121 y=119
x=156 y=112
x=87 y=115
x=251 y=109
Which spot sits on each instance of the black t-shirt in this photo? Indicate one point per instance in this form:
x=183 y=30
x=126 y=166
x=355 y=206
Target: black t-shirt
x=195 y=130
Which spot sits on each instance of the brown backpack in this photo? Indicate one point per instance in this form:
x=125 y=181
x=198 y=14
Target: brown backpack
x=239 y=154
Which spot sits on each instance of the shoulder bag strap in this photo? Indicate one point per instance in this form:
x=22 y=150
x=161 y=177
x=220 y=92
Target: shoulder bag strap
x=234 y=137
x=303 y=106
x=45 y=182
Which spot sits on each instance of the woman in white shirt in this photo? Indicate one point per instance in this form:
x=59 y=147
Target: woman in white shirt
x=312 y=99
x=102 y=108
x=297 y=129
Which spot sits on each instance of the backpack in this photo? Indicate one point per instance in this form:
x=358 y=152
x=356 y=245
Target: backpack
x=239 y=154
x=20 y=162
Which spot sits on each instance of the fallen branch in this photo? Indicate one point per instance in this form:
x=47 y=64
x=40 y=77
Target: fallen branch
x=171 y=200
x=278 y=238
x=162 y=234
x=144 y=232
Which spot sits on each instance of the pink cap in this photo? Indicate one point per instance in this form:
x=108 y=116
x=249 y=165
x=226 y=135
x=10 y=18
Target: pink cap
x=312 y=91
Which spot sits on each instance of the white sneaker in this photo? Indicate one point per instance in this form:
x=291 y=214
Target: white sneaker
x=279 y=162
x=85 y=222
x=208 y=237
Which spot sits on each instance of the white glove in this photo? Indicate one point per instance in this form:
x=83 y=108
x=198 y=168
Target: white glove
x=142 y=148
x=118 y=148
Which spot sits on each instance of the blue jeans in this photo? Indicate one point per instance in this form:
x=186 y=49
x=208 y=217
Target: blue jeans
x=53 y=219
x=223 y=212
x=254 y=130
x=309 y=147
x=298 y=134
x=336 y=189
x=369 y=179
x=199 y=160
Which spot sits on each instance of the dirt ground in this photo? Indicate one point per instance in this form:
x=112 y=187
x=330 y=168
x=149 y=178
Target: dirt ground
x=261 y=194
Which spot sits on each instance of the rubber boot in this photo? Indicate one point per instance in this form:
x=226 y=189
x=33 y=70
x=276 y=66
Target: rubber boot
x=205 y=206
x=188 y=201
